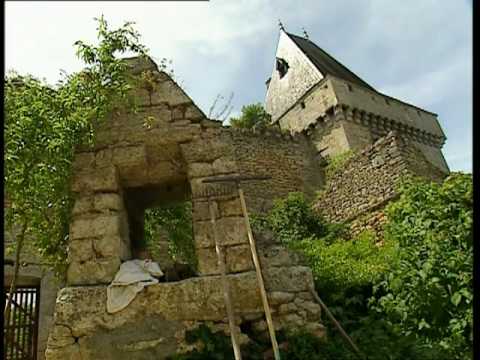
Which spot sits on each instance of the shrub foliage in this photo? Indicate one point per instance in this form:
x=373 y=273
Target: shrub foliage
x=412 y=296
x=429 y=292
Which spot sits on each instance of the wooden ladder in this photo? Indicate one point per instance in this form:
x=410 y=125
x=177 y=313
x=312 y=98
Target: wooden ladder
x=222 y=265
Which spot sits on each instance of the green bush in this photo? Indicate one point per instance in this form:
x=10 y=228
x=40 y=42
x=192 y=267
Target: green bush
x=253 y=116
x=176 y=220
x=292 y=219
x=339 y=265
x=429 y=292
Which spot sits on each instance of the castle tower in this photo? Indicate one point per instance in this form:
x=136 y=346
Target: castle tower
x=311 y=92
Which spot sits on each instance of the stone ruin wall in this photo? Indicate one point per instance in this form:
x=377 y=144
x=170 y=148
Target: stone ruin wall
x=359 y=191
x=169 y=144
x=291 y=161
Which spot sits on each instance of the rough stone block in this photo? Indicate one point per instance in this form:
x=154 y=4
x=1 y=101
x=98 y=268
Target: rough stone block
x=70 y=352
x=181 y=123
x=230 y=207
x=130 y=156
x=92 y=272
x=102 y=225
x=224 y=165
x=112 y=201
x=84 y=161
x=83 y=205
x=61 y=336
x=169 y=92
x=201 y=210
x=178 y=113
x=280 y=297
x=106 y=246
x=296 y=279
x=193 y=113
x=103 y=179
x=230 y=231
x=291 y=321
x=206 y=150
x=163 y=171
x=239 y=258
x=80 y=250
x=312 y=308
x=196 y=170
x=104 y=157
x=207 y=261
x=287 y=308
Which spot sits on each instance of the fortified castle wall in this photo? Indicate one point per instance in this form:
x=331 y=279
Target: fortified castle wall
x=359 y=191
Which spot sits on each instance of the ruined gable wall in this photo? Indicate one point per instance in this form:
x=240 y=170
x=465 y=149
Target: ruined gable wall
x=176 y=144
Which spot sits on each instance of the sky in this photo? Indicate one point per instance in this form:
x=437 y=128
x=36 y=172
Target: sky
x=417 y=51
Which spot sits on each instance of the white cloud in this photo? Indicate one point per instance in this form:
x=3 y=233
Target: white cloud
x=417 y=51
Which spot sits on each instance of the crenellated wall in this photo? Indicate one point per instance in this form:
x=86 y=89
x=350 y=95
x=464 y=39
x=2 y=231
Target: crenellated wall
x=338 y=116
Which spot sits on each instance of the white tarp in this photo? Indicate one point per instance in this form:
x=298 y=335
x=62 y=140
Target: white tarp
x=130 y=279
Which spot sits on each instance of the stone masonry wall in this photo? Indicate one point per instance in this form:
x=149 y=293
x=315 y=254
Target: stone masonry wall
x=289 y=160
x=169 y=142
x=368 y=180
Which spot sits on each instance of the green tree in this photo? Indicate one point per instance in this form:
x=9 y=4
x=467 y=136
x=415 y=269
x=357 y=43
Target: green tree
x=43 y=125
x=253 y=116
x=429 y=291
x=176 y=220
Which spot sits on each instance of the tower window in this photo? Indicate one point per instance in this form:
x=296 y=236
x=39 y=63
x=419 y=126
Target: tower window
x=282 y=67
x=350 y=88
x=302 y=105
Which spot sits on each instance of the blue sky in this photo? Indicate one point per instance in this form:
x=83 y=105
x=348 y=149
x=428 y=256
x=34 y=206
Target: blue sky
x=417 y=51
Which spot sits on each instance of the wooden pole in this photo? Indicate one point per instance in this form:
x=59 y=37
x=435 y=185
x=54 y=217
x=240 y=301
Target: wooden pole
x=336 y=323
x=258 y=270
x=226 y=289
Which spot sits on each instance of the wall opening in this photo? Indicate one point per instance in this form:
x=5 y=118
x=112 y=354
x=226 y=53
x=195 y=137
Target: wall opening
x=20 y=331
x=282 y=67
x=160 y=227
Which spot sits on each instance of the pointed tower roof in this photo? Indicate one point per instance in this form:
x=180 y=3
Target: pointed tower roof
x=325 y=63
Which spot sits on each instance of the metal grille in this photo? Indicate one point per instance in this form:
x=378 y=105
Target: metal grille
x=21 y=328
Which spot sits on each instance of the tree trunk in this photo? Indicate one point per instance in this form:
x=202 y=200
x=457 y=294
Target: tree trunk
x=13 y=285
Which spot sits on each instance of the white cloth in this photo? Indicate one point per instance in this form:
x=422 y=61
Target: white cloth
x=130 y=279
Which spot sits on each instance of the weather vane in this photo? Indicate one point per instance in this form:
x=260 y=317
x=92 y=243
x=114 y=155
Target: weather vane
x=305 y=33
x=280 y=25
